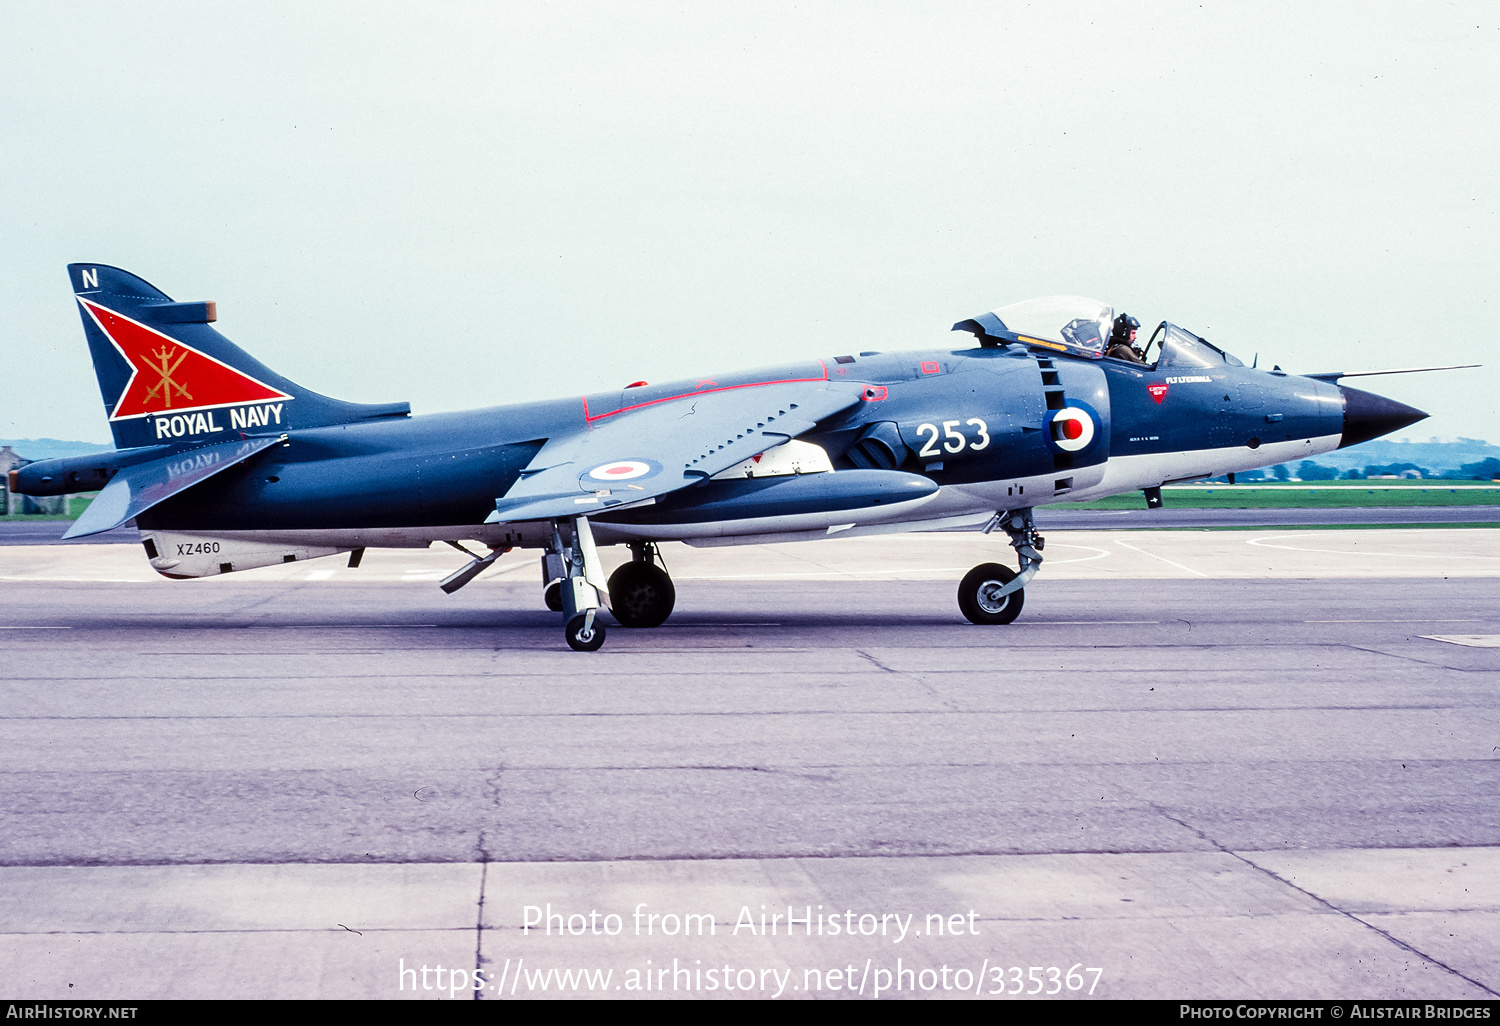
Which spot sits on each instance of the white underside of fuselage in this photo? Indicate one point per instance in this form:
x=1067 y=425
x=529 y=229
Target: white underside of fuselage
x=209 y=553
x=1147 y=470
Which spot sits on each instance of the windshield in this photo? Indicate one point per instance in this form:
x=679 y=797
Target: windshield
x=1081 y=323
x=1180 y=348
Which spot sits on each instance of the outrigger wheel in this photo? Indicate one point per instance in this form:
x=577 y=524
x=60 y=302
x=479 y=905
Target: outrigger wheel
x=552 y=595
x=641 y=594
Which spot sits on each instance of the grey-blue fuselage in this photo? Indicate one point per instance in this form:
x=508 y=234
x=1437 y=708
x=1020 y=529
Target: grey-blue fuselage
x=973 y=421
x=226 y=465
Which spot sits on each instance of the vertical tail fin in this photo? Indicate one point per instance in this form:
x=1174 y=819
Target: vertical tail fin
x=167 y=376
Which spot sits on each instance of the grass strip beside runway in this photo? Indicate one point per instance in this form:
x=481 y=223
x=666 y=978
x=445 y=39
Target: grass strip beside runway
x=1308 y=494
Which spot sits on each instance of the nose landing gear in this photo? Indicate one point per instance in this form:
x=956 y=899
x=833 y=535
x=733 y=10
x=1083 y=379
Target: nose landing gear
x=994 y=594
x=982 y=596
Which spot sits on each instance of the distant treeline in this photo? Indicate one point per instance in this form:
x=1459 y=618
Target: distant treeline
x=1487 y=469
x=1432 y=457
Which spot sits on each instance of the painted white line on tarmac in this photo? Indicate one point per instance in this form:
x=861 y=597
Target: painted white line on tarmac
x=1265 y=542
x=1471 y=620
x=1164 y=559
x=820 y=573
x=1467 y=640
x=1098 y=554
x=680 y=626
x=85 y=580
x=312 y=626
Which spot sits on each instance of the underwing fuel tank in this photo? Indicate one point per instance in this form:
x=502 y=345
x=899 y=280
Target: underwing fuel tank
x=785 y=503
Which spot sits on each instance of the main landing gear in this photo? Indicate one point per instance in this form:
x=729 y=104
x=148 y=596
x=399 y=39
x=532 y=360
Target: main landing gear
x=994 y=594
x=640 y=592
x=582 y=580
x=552 y=595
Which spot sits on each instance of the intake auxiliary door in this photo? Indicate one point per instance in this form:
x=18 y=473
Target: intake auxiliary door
x=972 y=418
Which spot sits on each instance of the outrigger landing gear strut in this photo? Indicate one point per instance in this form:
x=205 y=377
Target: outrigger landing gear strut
x=993 y=594
x=583 y=582
x=464 y=574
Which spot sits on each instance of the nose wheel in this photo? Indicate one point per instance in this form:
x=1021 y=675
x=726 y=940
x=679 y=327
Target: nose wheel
x=982 y=596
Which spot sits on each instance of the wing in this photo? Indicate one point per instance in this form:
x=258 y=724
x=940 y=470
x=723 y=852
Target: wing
x=136 y=489
x=631 y=457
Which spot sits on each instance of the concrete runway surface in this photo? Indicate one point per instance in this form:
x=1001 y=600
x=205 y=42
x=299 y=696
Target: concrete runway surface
x=1243 y=764
x=1048 y=518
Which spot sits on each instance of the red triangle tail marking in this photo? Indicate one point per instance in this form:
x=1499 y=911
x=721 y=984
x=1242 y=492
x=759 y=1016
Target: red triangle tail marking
x=168 y=376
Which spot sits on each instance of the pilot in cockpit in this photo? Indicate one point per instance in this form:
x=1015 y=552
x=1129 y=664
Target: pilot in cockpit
x=1122 y=339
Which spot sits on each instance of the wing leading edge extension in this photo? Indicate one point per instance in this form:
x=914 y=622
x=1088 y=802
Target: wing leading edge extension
x=136 y=489
x=638 y=455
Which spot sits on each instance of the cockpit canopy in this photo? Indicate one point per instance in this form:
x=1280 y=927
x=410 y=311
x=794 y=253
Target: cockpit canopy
x=1067 y=323
x=1171 y=346
x=1081 y=326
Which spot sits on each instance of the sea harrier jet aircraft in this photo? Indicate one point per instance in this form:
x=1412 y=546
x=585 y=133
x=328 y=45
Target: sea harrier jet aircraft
x=225 y=465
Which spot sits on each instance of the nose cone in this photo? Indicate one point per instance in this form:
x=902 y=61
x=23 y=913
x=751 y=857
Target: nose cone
x=1368 y=416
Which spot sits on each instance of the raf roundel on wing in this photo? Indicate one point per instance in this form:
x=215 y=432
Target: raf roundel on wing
x=623 y=470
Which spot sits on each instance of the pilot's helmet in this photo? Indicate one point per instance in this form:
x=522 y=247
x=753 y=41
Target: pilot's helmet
x=1124 y=325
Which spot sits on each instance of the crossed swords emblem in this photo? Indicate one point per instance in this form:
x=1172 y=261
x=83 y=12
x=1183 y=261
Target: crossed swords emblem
x=166 y=386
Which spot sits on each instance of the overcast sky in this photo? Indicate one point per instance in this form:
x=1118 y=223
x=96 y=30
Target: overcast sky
x=470 y=204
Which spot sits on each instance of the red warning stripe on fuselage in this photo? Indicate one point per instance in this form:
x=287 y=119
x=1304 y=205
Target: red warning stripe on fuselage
x=167 y=376
x=700 y=390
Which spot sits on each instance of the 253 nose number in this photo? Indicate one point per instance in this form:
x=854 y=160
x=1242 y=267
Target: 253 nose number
x=954 y=441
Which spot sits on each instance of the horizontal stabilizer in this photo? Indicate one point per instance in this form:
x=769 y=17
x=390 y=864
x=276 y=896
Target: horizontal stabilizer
x=136 y=489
